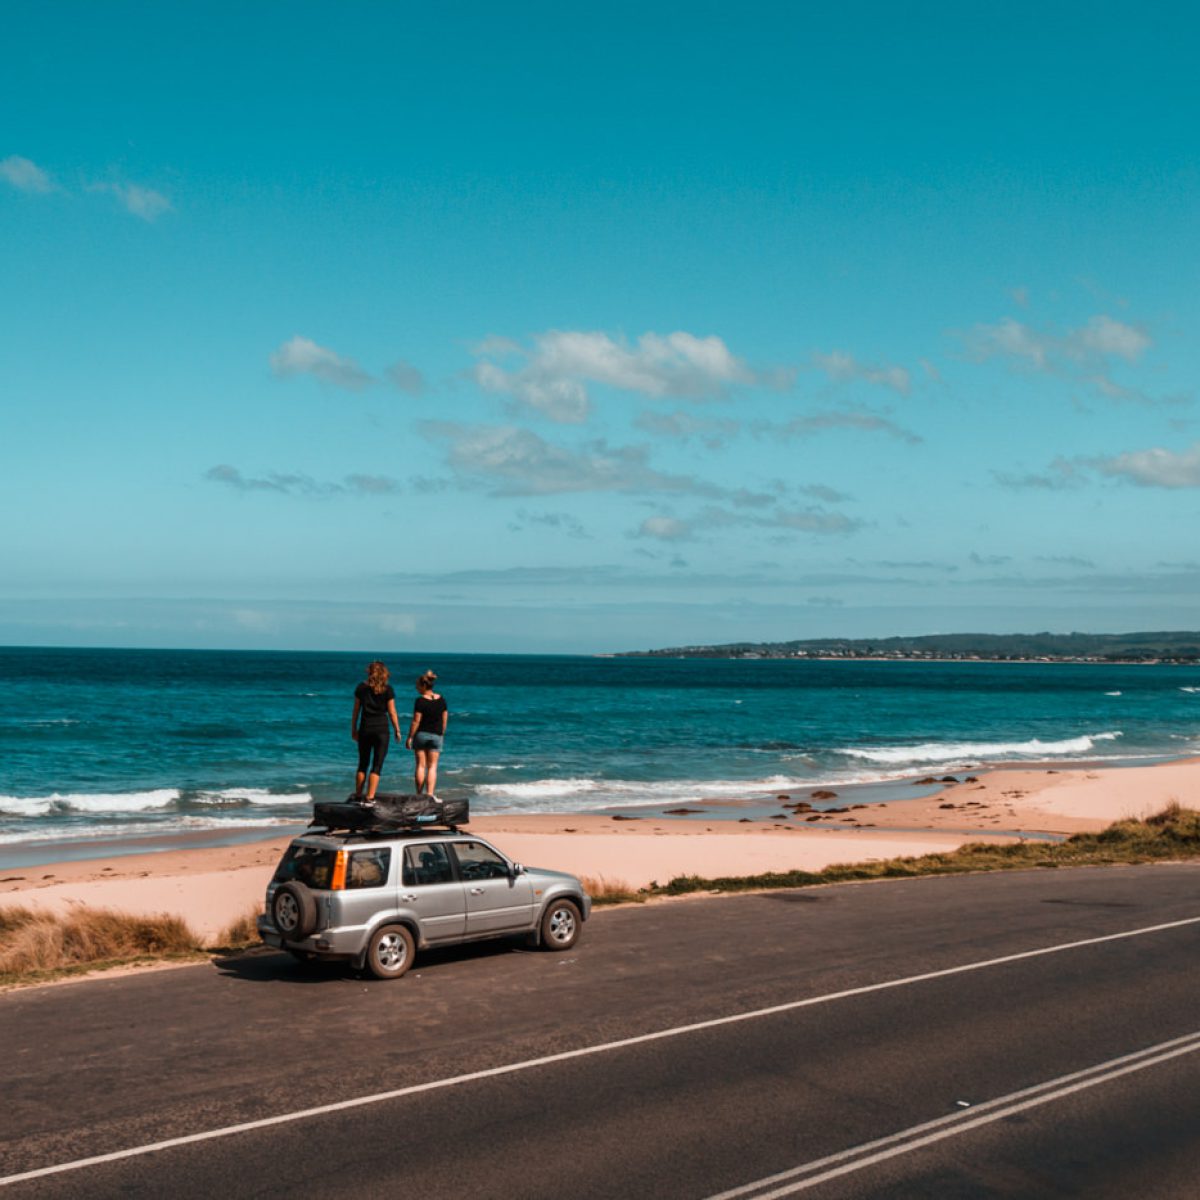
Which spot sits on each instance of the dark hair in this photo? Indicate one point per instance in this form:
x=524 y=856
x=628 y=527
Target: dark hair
x=425 y=682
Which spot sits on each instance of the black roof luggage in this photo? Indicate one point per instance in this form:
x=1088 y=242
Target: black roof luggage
x=391 y=812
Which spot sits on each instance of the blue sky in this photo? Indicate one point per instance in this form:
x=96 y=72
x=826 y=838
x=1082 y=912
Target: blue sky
x=556 y=328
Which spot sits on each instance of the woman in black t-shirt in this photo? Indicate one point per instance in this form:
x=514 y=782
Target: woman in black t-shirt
x=425 y=735
x=375 y=704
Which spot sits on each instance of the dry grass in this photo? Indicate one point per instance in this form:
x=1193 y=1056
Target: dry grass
x=1172 y=834
x=241 y=934
x=610 y=891
x=36 y=944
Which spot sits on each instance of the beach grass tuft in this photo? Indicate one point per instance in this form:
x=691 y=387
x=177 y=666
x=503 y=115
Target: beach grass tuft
x=36 y=945
x=611 y=891
x=240 y=934
x=1173 y=833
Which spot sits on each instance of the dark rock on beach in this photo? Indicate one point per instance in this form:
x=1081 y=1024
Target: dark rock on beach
x=823 y=794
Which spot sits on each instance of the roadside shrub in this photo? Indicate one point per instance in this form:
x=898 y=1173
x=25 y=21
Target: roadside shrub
x=240 y=934
x=610 y=891
x=32 y=941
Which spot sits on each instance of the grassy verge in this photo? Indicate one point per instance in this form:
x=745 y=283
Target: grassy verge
x=36 y=946
x=1173 y=833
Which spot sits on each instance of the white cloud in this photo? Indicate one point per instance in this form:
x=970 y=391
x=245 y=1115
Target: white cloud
x=404 y=624
x=295 y=484
x=842 y=367
x=556 y=372
x=866 y=422
x=811 y=520
x=405 y=378
x=142 y=202
x=1155 y=467
x=664 y=529
x=25 y=175
x=509 y=461
x=685 y=426
x=1083 y=354
x=1103 y=335
x=300 y=356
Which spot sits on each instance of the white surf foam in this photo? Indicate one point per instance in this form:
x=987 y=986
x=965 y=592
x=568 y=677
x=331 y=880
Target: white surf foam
x=88 y=802
x=943 y=752
x=80 y=833
x=226 y=796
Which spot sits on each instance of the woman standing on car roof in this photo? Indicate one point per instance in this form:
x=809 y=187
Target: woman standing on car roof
x=430 y=716
x=374 y=711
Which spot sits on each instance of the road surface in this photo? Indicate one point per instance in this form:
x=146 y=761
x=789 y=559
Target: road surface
x=1021 y=1035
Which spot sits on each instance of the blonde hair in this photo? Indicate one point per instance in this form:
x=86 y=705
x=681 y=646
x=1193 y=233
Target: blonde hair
x=377 y=676
x=425 y=682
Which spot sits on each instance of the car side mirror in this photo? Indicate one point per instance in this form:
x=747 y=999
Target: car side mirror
x=515 y=869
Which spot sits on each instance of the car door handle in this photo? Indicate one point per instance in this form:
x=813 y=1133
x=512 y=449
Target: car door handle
x=476 y=891
x=409 y=897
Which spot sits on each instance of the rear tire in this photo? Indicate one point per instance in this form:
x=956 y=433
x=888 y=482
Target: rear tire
x=390 y=952
x=293 y=911
x=560 y=925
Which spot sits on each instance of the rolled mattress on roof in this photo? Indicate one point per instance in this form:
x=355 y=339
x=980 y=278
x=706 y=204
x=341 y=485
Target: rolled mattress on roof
x=391 y=810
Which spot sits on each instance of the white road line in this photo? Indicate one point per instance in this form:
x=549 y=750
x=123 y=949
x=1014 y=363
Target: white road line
x=961 y=1122
x=583 y=1052
x=958 y=1123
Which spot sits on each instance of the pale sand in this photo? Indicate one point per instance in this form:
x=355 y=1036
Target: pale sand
x=212 y=887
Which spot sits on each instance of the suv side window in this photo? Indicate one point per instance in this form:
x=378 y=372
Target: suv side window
x=427 y=864
x=369 y=868
x=477 y=861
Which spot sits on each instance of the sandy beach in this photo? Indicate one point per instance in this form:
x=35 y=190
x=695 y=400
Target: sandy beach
x=210 y=887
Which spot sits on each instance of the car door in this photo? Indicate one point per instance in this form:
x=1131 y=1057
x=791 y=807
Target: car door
x=428 y=888
x=497 y=901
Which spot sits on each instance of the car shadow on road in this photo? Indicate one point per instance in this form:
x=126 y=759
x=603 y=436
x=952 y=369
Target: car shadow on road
x=275 y=966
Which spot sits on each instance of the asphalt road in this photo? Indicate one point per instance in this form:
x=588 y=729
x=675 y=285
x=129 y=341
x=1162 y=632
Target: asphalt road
x=848 y=1041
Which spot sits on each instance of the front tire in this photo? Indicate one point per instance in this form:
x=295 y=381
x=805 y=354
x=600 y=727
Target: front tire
x=390 y=952
x=560 y=925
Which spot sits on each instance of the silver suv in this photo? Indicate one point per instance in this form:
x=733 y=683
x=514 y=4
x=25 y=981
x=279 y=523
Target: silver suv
x=375 y=899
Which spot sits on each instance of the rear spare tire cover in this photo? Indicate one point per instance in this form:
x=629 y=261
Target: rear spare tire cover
x=294 y=911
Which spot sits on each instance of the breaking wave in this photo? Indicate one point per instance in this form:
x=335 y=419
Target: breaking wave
x=944 y=752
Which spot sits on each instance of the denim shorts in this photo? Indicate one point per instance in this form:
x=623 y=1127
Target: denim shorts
x=427 y=741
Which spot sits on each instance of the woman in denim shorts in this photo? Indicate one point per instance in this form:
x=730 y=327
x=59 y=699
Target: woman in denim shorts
x=425 y=734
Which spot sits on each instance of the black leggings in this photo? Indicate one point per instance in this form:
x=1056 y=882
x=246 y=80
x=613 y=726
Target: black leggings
x=372 y=744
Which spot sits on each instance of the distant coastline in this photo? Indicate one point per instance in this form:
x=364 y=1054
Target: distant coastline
x=1162 y=649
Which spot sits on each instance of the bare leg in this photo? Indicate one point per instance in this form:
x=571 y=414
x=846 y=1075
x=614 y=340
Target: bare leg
x=372 y=784
x=359 y=780
x=431 y=772
x=419 y=770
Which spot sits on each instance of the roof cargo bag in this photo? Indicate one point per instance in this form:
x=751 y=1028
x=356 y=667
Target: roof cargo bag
x=391 y=811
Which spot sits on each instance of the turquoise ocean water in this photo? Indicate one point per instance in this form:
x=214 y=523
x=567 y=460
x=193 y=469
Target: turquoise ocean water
x=97 y=744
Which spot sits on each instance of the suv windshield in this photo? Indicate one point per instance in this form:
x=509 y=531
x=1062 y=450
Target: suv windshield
x=311 y=865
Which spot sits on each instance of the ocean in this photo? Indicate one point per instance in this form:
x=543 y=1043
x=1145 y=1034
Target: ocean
x=104 y=744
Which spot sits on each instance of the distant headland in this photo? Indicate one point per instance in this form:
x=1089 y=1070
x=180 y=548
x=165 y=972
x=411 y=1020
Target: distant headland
x=1171 y=647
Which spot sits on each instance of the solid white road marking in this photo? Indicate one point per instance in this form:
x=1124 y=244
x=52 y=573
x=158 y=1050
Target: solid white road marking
x=954 y=1124
x=583 y=1052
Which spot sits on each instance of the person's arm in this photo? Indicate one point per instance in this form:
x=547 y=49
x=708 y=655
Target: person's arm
x=412 y=729
x=354 y=719
x=395 y=719
x=445 y=719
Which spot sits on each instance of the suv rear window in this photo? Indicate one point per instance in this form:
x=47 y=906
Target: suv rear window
x=369 y=868
x=309 y=865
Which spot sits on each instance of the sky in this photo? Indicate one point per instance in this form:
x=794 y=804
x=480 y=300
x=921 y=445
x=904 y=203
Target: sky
x=579 y=329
